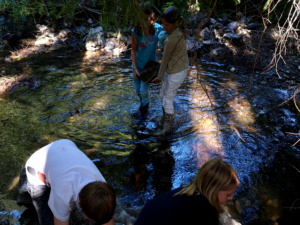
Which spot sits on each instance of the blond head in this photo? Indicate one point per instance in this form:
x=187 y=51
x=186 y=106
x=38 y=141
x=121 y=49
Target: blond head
x=214 y=176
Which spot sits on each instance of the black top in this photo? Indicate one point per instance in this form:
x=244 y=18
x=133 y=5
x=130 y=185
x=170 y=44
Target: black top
x=181 y=210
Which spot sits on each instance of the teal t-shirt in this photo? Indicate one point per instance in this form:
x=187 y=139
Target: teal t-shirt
x=146 y=47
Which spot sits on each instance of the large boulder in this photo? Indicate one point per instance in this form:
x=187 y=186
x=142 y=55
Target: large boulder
x=95 y=39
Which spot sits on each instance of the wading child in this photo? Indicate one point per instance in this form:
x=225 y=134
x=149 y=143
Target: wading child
x=144 y=42
x=61 y=177
x=174 y=64
x=198 y=202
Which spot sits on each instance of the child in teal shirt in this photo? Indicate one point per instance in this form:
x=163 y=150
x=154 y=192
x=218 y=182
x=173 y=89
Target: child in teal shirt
x=144 y=42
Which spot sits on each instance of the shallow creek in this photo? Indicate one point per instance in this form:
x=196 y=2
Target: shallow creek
x=92 y=103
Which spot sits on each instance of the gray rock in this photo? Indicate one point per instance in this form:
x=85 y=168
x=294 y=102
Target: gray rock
x=95 y=39
x=42 y=28
x=41 y=41
x=215 y=52
x=232 y=26
x=252 y=26
x=218 y=26
x=218 y=33
x=109 y=45
x=205 y=33
x=298 y=67
x=81 y=29
x=244 y=20
x=228 y=31
x=212 y=21
x=191 y=45
x=232 y=36
x=209 y=42
x=64 y=33
x=121 y=216
x=225 y=21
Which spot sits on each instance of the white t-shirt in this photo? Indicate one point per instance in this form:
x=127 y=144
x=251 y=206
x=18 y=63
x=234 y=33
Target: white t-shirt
x=66 y=169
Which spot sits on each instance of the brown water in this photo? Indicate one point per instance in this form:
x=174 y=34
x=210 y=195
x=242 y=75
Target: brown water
x=92 y=103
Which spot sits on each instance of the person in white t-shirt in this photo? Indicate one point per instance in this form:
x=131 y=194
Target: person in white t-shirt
x=61 y=177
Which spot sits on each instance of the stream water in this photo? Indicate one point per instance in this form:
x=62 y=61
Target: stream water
x=92 y=103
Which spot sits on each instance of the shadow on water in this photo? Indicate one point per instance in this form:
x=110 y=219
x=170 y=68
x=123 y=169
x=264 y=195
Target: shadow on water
x=92 y=104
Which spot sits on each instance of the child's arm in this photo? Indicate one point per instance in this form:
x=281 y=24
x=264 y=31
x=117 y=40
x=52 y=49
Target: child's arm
x=59 y=222
x=169 y=49
x=133 y=56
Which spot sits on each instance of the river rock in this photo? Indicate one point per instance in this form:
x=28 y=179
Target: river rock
x=205 y=33
x=42 y=28
x=229 y=31
x=64 y=33
x=225 y=21
x=252 y=26
x=232 y=26
x=244 y=20
x=81 y=29
x=95 y=39
x=212 y=21
x=208 y=42
x=218 y=26
x=110 y=45
x=192 y=46
x=42 y=41
x=218 y=33
x=235 y=39
x=215 y=52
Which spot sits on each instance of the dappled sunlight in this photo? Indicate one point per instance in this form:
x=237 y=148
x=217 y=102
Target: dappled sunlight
x=90 y=55
x=241 y=111
x=98 y=68
x=205 y=122
x=14 y=183
x=100 y=104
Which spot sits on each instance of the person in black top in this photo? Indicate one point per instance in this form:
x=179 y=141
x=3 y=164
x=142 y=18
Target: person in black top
x=198 y=202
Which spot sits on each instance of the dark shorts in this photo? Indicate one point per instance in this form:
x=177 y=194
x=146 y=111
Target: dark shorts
x=40 y=196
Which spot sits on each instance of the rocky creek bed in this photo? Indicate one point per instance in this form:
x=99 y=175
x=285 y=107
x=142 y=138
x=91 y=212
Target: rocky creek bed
x=66 y=93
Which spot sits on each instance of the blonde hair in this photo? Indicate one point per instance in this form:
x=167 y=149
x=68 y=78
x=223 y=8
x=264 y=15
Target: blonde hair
x=214 y=176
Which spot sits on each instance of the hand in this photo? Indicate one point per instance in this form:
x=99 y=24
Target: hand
x=156 y=81
x=136 y=73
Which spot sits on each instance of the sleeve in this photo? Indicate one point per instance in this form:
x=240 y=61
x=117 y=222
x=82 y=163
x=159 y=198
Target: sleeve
x=135 y=34
x=169 y=49
x=59 y=207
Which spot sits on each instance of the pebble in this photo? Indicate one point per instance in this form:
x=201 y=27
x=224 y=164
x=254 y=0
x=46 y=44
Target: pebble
x=298 y=67
x=232 y=69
